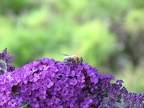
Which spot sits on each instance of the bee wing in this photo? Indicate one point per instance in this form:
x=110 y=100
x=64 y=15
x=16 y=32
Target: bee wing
x=64 y=54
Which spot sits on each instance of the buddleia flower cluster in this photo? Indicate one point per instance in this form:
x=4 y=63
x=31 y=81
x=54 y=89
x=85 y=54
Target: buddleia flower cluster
x=48 y=83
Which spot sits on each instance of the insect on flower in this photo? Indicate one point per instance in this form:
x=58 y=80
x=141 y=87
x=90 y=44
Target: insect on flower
x=72 y=59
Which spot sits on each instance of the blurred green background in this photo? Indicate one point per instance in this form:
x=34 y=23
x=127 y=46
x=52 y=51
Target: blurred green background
x=108 y=34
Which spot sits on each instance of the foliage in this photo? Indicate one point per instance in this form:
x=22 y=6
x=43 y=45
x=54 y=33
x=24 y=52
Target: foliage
x=14 y=6
x=133 y=78
x=133 y=22
x=96 y=43
x=107 y=34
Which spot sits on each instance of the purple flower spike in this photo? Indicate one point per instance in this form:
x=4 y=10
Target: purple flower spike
x=5 y=62
x=48 y=83
x=8 y=58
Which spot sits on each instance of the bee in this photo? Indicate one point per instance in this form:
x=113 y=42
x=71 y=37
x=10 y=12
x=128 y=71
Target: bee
x=72 y=59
